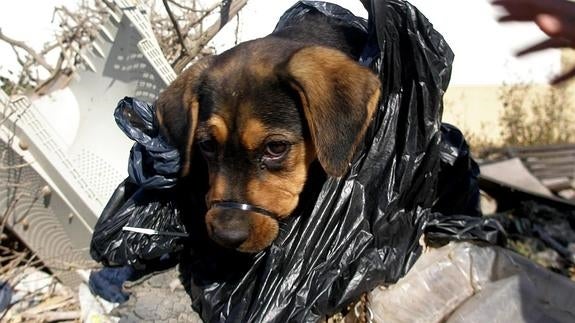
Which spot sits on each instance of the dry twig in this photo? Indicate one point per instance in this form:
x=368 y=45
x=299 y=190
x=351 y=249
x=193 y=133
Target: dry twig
x=77 y=30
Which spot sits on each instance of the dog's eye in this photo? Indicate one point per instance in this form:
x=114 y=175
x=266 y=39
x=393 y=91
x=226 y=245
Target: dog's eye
x=276 y=149
x=208 y=147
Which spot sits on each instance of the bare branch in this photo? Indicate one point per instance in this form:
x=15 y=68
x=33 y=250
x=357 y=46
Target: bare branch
x=206 y=13
x=13 y=166
x=176 y=26
x=49 y=47
x=77 y=30
x=52 y=316
x=38 y=58
x=207 y=35
x=181 y=6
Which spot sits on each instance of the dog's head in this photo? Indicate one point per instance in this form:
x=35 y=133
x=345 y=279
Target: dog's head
x=260 y=114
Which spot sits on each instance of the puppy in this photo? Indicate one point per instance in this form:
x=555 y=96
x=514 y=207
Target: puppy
x=259 y=114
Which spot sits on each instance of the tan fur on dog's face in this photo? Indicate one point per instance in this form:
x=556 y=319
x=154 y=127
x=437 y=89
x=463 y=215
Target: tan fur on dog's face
x=260 y=114
x=273 y=184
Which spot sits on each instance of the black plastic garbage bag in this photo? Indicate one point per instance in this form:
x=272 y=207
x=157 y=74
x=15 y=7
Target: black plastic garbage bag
x=153 y=164
x=353 y=233
x=144 y=200
x=457 y=187
x=349 y=234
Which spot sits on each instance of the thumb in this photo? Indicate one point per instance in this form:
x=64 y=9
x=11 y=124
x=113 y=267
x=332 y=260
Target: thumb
x=555 y=27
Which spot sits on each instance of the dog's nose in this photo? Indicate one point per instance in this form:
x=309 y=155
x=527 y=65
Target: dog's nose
x=230 y=228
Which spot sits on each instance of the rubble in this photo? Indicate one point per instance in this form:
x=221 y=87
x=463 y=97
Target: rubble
x=32 y=295
x=466 y=282
x=549 y=168
x=534 y=194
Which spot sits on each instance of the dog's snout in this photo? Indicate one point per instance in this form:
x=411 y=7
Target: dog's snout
x=230 y=228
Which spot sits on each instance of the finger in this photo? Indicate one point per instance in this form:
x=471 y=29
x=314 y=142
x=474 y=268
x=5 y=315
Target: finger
x=559 y=7
x=516 y=18
x=562 y=7
x=528 y=9
x=518 y=13
x=546 y=44
x=563 y=77
x=555 y=27
x=510 y=2
x=549 y=24
x=518 y=7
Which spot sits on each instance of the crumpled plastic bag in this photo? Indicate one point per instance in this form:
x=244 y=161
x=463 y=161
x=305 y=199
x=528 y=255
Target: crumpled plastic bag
x=458 y=188
x=465 y=282
x=145 y=200
x=153 y=163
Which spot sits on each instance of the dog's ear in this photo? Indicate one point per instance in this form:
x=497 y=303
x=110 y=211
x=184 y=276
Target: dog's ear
x=339 y=98
x=177 y=111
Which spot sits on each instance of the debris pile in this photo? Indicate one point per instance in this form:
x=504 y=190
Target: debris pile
x=542 y=234
x=27 y=292
x=552 y=166
x=531 y=192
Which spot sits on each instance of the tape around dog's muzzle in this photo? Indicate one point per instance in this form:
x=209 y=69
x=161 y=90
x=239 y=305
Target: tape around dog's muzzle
x=243 y=207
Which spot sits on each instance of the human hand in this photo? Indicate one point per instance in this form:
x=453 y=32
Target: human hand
x=556 y=18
